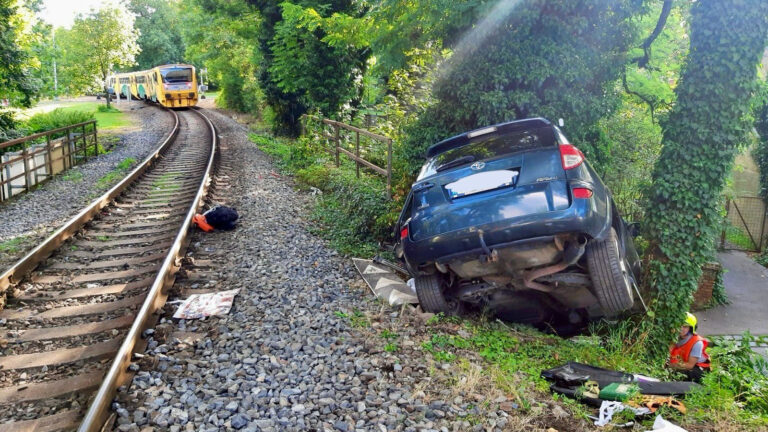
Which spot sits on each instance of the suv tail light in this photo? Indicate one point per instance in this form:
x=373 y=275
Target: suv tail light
x=570 y=156
x=404 y=232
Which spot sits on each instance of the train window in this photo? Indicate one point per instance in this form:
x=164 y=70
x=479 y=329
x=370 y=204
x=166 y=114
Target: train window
x=176 y=75
x=140 y=79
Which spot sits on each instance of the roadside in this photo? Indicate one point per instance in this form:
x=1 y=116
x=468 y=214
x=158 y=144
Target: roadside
x=28 y=218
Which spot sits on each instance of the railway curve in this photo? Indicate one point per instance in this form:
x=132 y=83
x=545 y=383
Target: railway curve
x=80 y=301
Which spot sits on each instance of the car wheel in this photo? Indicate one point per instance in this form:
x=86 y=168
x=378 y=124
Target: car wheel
x=429 y=290
x=610 y=275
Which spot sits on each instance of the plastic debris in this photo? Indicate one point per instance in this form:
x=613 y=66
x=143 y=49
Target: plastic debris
x=609 y=408
x=204 y=305
x=661 y=425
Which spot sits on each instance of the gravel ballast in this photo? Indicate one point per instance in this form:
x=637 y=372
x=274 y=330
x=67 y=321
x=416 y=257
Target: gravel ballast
x=33 y=215
x=287 y=356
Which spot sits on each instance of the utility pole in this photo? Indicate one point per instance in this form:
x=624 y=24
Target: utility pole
x=55 y=75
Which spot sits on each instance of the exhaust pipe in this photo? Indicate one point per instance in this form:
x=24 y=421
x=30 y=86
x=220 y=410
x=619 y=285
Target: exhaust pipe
x=571 y=255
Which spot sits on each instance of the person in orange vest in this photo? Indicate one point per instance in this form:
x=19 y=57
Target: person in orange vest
x=689 y=354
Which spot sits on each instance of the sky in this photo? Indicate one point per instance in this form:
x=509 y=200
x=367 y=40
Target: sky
x=61 y=13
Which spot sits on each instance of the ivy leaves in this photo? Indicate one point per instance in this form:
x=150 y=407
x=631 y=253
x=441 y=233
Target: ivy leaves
x=702 y=135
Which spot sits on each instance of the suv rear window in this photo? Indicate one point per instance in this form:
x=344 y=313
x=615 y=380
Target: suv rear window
x=488 y=147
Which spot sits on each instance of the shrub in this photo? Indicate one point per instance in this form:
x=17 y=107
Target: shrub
x=57 y=118
x=107 y=109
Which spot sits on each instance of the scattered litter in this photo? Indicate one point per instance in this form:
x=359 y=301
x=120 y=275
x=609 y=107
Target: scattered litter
x=412 y=285
x=609 y=408
x=661 y=425
x=204 y=305
x=315 y=191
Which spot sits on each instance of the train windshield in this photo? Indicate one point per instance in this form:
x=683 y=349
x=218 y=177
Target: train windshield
x=176 y=75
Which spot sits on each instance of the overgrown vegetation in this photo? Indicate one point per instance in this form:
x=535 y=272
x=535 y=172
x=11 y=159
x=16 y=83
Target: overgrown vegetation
x=698 y=151
x=733 y=395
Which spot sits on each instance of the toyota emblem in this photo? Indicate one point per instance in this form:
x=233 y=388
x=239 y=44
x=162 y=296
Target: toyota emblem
x=478 y=166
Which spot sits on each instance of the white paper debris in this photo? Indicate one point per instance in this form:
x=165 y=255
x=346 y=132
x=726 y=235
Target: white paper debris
x=204 y=305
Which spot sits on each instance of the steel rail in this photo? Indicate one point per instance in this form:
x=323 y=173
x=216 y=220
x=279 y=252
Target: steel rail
x=98 y=411
x=37 y=255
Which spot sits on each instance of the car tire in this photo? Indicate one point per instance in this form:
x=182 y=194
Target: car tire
x=429 y=290
x=610 y=275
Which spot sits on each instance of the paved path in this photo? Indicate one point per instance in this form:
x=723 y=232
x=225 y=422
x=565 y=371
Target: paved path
x=746 y=284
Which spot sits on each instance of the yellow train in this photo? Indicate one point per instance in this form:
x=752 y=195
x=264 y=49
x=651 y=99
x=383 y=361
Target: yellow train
x=172 y=86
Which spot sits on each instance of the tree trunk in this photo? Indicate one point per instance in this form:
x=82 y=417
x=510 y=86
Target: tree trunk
x=700 y=140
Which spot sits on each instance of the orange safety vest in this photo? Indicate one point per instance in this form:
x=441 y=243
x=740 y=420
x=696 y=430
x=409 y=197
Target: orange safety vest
x=680 y=354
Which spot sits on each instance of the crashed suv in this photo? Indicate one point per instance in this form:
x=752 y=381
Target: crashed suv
x=511 y=217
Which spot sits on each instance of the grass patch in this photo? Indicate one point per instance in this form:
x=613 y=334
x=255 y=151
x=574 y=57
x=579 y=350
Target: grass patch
x=110 y=178
x=352 y=213
x=73 y=175
x=736 y=236
x=12 y=246
x=113 y=118
x=733 y=397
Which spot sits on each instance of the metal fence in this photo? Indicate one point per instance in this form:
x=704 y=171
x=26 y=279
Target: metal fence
x=746 y=226
x=343 y=145
x=42 y=156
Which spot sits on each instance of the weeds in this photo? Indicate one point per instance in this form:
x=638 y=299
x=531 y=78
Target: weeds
x=73 y=175
x=356 y=319
x=12 y=245
x=116 y=174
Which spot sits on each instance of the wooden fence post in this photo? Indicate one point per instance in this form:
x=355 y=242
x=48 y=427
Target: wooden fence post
x=24 y=156
x=337 y=140
x=95 y=138
x=49 y=156
x=357 y=152
x=389 y=168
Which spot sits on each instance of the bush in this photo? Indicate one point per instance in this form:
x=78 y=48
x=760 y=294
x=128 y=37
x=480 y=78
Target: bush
x=738 y=382
x=10 y=129
x=107 y=109
x=57 y=118
x=353 y=213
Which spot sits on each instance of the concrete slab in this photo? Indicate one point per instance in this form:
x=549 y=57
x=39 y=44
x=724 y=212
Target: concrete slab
x=384 y=283
x=746 y=283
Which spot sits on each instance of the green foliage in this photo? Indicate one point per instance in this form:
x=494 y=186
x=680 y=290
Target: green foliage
x=762 y=258
x=352 y=213
x=704 y=131
x=16 y=80
x=98 y=43
x=58 y=118
x=220 y=35
x=159 y=27
x=737 y=384
x=323 y=76
x=561 y=60
x=760 y=152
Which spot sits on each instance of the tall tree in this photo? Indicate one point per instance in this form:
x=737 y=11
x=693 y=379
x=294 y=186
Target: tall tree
x=16 y=80
x=701 y=138
x=323 y=71
x=100 y=42
x=160 y=33
x=533 y=58
x=220 y=34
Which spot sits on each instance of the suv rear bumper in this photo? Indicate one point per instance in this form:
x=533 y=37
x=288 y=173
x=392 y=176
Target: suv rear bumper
x=589 y=217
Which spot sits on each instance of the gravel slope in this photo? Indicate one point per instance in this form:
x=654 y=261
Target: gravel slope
x=38 y=213
x=288 y=356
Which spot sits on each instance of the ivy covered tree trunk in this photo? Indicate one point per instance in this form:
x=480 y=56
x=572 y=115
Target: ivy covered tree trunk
x=700 y=141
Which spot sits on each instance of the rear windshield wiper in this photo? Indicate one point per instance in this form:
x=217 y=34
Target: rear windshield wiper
x=456 y=162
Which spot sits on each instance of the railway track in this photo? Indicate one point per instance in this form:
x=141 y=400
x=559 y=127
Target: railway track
x=71 y=326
